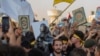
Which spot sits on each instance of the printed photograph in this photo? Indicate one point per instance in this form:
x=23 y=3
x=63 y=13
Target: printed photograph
x=24 y=22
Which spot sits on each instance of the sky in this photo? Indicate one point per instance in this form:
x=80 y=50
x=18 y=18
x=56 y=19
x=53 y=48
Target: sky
x=40 y=7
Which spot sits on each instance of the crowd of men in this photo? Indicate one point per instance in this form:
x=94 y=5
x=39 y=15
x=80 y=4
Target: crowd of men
x=59 y=41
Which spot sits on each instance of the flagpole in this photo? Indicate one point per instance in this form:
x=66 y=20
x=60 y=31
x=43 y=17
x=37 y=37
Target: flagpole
x=63 y=12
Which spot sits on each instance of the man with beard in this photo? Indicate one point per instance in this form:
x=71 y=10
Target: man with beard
x=57 y=48
x=65 y=44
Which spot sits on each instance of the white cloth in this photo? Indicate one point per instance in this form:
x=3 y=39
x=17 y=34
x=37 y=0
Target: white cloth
x=14 y=8
x=25 y=9
x=10 y=8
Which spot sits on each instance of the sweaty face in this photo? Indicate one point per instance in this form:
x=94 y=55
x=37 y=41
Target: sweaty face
x=57 y=47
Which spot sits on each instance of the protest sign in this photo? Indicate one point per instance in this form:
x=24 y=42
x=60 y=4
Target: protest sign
x=79 y=16
x=36 y=27
x=24 y=22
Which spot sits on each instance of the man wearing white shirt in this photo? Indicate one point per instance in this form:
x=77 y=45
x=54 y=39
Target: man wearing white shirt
x=91 y=17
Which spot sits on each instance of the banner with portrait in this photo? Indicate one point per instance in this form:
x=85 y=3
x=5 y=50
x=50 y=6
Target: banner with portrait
x=79 y=16
x=24 y=22
x=37 y=27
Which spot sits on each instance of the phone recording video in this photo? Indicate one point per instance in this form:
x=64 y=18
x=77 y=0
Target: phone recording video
x=5 y=24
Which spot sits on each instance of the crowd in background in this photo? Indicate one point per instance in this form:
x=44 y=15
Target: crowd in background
x=61 y=40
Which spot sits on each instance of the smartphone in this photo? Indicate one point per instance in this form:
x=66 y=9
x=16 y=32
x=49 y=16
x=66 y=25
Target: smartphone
x=5 y=24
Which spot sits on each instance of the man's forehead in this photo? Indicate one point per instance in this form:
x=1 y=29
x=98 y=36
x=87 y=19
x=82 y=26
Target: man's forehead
x=58 y=42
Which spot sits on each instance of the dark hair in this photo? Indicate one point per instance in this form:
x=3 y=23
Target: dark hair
x=63 y=38
x=89 y=43
x=45 y=30
x=16 y=51
x=80 y=34
x=15 y=29
x=78 y=52
x=92 y=12
x=98 y=48
x=35 y=52
x=28 y=39
x=94 y=36
x=56 y=40
x=6 y=50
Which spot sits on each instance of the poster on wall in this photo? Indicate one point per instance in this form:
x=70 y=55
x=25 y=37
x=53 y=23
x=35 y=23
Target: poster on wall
x=79 y=16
